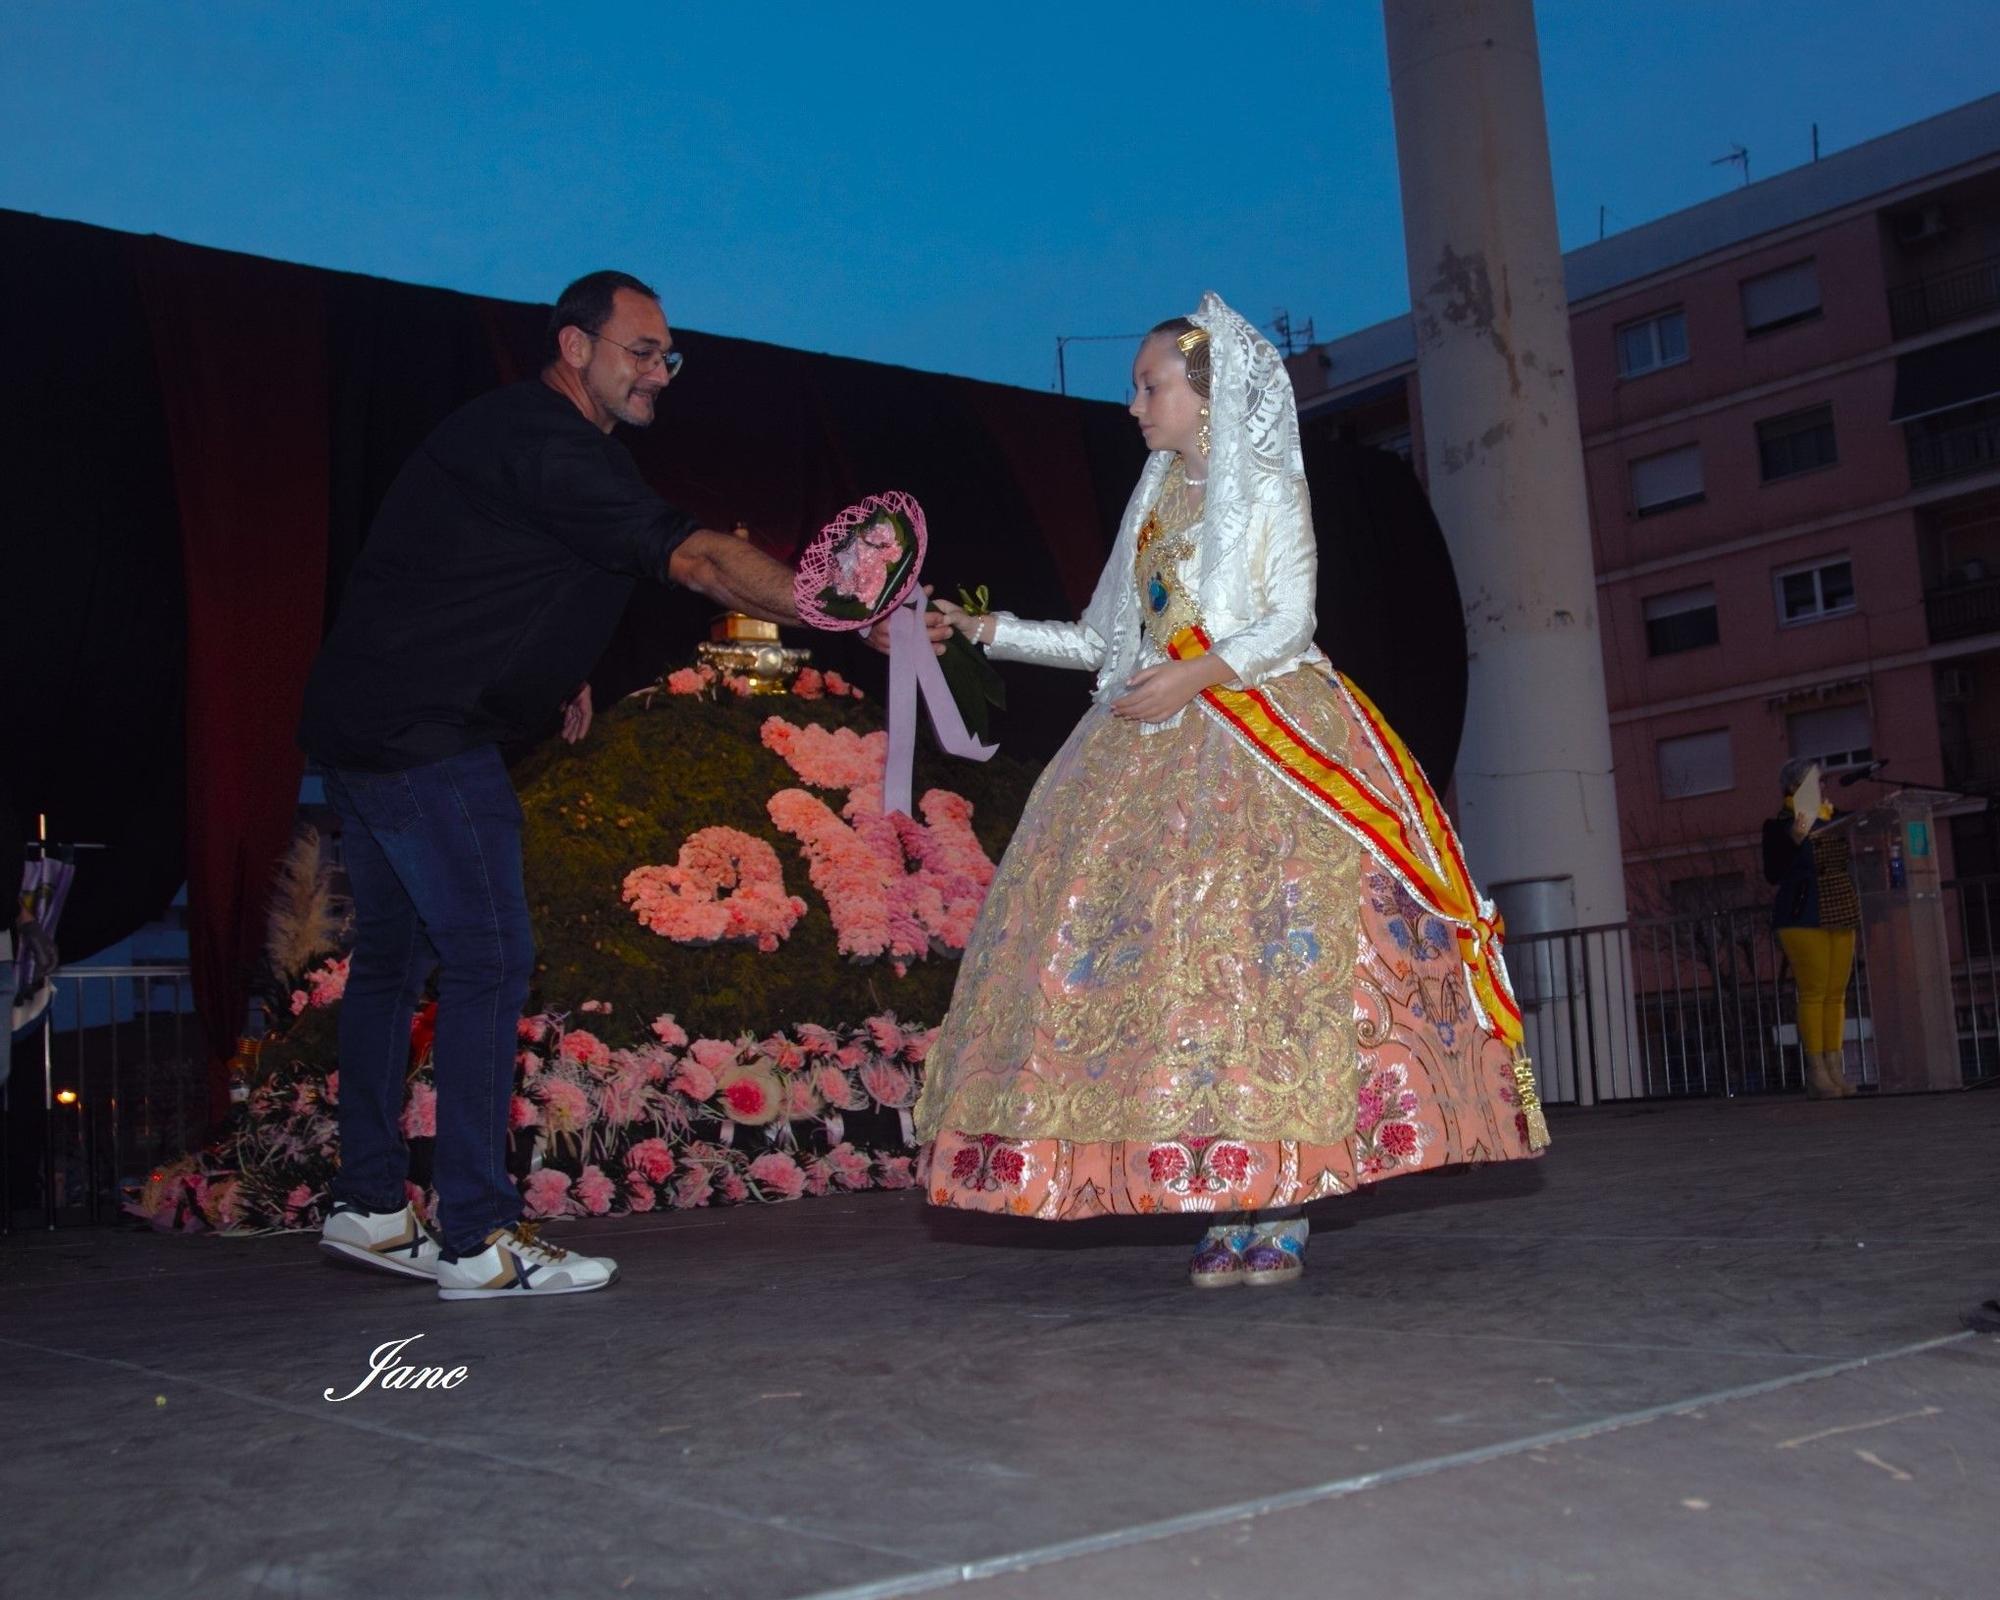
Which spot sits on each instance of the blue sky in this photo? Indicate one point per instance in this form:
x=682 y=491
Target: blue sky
x=948 y=187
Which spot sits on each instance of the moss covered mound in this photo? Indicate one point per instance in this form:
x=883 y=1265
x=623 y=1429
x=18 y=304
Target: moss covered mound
x=653 y=771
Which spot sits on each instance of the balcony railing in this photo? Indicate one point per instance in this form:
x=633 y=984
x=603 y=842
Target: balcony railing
x=1947 y=298
x=1974 y=768
x=1937 y=453
x=1961 y=610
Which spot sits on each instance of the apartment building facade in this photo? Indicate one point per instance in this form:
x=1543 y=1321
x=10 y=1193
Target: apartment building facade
x=1790 y=406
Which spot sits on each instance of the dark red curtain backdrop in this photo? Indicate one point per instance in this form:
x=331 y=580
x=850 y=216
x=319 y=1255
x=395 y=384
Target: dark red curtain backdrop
x=240 y=348
x=207 y=437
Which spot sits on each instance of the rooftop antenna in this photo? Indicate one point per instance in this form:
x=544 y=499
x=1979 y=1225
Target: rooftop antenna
x=1815 y=141
x=1065 y=340
x=1737 y=157
x=1289 y=339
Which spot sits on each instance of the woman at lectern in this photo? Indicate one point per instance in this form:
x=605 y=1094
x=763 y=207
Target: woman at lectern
x=1816 y=913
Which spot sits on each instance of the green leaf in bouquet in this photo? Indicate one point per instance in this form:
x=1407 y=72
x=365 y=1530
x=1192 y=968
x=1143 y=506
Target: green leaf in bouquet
x=975 y=685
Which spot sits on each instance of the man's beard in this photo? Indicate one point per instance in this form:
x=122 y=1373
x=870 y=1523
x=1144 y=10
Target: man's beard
x=628 y=414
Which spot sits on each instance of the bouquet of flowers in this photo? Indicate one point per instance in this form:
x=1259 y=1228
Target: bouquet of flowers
x=863 y=564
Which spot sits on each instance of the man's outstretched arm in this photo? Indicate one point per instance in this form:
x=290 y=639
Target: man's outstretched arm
x=734 y=573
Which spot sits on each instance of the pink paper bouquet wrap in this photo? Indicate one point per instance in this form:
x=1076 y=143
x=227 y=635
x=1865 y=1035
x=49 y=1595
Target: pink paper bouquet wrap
x=864 y=566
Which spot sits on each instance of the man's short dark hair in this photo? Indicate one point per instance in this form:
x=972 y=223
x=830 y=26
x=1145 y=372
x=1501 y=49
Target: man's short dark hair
x=586 y=304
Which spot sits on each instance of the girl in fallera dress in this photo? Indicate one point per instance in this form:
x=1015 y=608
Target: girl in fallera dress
x=1232 y=962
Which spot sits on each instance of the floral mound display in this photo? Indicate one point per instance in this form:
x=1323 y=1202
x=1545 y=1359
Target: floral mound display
x=628 y=860
x=598 y=1131
x=729 y=931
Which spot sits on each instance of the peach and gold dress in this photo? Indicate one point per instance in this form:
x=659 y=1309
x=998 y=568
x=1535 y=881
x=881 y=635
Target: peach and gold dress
x=1190 y=991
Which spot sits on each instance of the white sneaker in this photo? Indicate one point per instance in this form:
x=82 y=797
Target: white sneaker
x=516 y=1262
x=395 y=1241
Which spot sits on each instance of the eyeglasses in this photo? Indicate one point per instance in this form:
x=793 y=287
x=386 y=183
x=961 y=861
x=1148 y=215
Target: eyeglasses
x=648 y=356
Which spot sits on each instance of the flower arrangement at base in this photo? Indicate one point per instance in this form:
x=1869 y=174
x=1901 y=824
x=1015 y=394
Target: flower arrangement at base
x=597 y=1131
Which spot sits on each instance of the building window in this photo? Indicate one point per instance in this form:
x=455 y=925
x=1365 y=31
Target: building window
x=1697 y=763
x=1834 y=736
x=1800 y=442
x=1778 y=299
x=1709 y=894
x=1814 y=591
x=1669 y=479
x=1683 y=620
x=1652 y=343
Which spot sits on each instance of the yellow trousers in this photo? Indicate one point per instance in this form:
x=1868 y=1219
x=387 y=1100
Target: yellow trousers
x=1821 y=960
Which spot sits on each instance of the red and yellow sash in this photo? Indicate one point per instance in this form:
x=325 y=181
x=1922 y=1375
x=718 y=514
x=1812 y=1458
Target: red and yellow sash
x=1426 y=859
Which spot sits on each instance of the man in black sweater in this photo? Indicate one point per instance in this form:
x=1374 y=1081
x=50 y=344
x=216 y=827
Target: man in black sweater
x=492 y=579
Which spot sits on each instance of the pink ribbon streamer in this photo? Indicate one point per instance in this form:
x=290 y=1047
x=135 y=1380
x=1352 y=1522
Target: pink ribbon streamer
x=914 y=674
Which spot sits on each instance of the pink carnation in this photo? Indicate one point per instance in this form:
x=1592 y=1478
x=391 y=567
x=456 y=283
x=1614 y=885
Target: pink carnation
x=732 y=1189
x=800 y=1100
x=689 y=680
x=888 y=1085
x=809 y=684
x=521 y=1113
x=651 y=1159
x=849 y=1165
x=535 y=1029
x=331 y=1093
x=669 y=1032
x=778 y=1174
x=714 y=1054
x=694 y=1080
x=594 y=1191
x=895 y=1172
x=887 y=1036
x=328 y=983
x=420 y=1115
x=694 y=1188
x=546 y=1193
x=585 y=1048
x=838 y=1090
x=840 y=688
x=565 y=1105
x=639 y=1195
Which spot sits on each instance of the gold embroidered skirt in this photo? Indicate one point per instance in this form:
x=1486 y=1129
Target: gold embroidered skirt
x=1188 y=991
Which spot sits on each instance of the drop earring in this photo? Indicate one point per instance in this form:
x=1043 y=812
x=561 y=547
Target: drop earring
x=1201 y=434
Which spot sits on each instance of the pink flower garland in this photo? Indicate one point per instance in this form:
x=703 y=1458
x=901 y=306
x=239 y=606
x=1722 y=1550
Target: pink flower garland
x=686 y=902
x=895 y=887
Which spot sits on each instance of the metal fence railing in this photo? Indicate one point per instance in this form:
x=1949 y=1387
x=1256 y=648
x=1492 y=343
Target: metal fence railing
x=1972 y=925
x=1704 y=1005
x=1946 y=449
x=1669 y=1007
x=1947 y=297
x=113 y=1083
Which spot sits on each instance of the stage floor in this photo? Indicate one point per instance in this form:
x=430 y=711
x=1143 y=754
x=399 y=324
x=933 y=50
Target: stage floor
x=1700 y=1350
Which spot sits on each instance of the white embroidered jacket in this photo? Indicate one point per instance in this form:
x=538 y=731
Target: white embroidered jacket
x=1254 y=575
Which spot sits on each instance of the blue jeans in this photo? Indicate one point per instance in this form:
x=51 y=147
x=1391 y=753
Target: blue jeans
x=434 y=862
